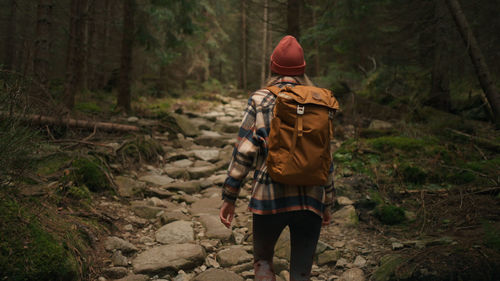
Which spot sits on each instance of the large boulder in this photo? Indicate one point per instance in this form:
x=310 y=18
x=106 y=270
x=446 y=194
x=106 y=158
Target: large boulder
x=233 y=256
x=214 y=228
x=114 y=243
x=346 y=216
x=175 y=233
x=188 y=128
x=128 y=187
x=169 y=258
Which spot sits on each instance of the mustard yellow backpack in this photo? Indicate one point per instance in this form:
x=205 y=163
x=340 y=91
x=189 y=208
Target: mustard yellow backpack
x=299 y=141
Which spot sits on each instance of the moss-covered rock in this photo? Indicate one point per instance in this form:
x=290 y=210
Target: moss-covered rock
x=28 y=251
x=390 y=214
x=388 y=267
x=79 y=192
x=89 y=172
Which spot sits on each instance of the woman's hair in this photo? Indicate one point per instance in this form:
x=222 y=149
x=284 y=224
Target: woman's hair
x=301 y=79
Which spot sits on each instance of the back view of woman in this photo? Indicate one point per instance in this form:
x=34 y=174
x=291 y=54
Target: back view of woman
x=304 y=209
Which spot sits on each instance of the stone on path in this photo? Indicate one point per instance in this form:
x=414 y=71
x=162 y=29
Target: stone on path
x=343 y=201
x=233 y=256
x=115 y=272
x=346 y=216
x=218 y=179
x=169 y=257
x=157 y=179
x=176 y=172
x=118 y=259
x=183 y=163
x=128 y=187
x=211 y=155
x=328 y=256
x=206 y=206
x=115 y=243
x=359 y=262
x=353 y=274
x=135 y=277
x=172 y=216
x=282 y=247
x=175 y=233
x=189 y=187
x=188 y=128
x=211 y=140
x=141 y=209
x=214 y=228
x=214 y=274
x=201 y=172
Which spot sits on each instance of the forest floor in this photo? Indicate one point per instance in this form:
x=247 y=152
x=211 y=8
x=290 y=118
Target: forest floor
x=410 y=205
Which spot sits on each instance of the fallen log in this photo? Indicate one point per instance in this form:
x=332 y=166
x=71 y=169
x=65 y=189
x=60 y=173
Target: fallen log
x=70 y=122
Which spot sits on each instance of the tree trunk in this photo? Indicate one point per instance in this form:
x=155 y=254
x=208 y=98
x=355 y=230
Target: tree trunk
x=440 y=97
x=90 y=50
x=76 y=52
x=317 y=71
x=124 y=82
x=477 y=58
x=264 y=60
x=244 y=59
x=42 y=44
x=10 y=40
x=104 y=34
x=293 y=18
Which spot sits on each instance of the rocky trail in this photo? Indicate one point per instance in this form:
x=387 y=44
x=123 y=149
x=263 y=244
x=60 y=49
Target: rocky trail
x=167 y=225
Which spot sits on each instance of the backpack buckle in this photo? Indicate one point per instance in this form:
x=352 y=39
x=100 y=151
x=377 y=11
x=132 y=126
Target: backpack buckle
x=300 y=109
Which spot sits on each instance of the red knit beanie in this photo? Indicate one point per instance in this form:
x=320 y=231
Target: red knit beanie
x=288 y=57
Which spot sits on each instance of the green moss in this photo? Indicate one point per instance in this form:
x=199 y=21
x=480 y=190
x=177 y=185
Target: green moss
x=402 y=143
x=491 y=236
x=390 y=214
x=52 y=163
x=342 y=156
x=387 y=268
x=484 y=166
x=413 y=174
x=79 y=192
x=28 y=251
x=88 y=107
x=88 y=172
x=376 y=197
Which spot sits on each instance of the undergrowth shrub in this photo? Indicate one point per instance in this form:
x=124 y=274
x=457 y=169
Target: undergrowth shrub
x=140 y=149
x=390 y=214
x=91 y=173
x=28 y=251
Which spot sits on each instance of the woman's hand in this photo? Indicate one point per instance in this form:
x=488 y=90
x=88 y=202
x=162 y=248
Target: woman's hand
x=327 y=217
x=226 y=213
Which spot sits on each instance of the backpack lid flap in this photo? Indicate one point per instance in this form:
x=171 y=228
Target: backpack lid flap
x=307 y=95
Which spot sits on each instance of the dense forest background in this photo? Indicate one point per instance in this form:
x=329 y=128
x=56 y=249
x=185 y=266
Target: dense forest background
x=119 y=117
x=401 y=52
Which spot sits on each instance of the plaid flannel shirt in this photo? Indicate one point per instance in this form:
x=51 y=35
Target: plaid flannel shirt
x=268 y=197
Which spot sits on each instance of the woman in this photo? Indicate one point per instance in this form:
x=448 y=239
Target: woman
x=274 y=205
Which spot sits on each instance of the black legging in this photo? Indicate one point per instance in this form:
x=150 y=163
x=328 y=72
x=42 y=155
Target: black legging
x=304 y=227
